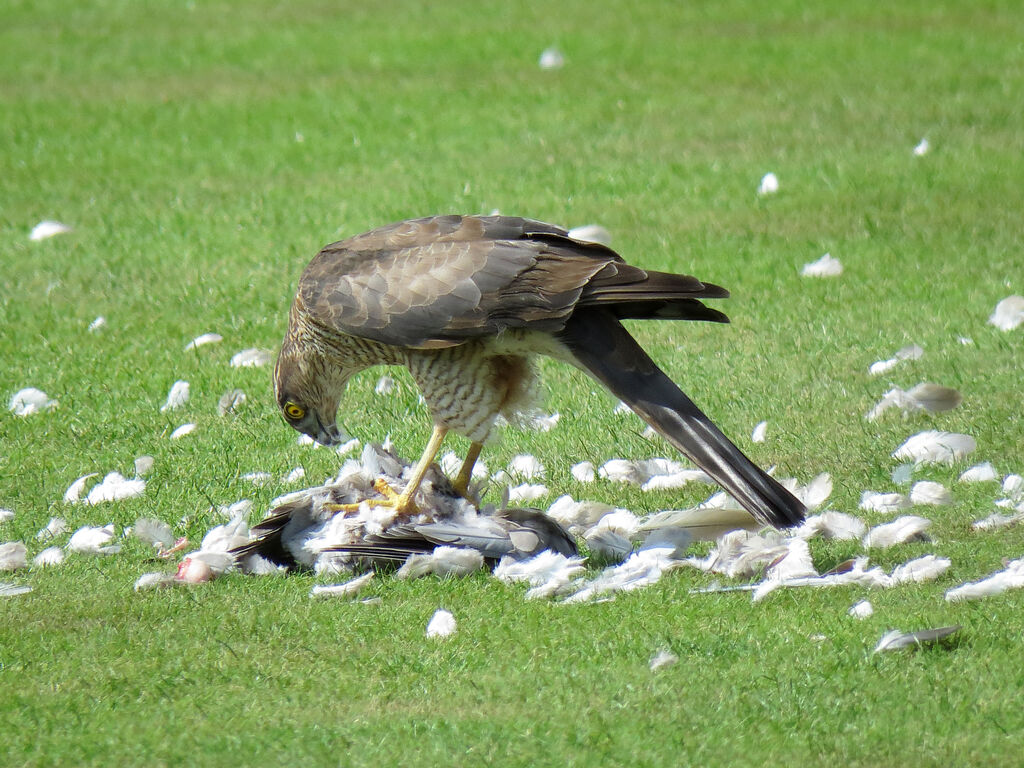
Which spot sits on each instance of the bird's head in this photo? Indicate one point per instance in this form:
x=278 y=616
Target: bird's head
x=308 y=387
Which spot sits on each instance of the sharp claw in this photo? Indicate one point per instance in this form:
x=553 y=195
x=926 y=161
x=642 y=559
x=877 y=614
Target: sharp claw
x=392 y=498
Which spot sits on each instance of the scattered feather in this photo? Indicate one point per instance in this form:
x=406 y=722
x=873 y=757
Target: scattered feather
x=676 y=480
x=927 y=492
x=903 y=474
x=230 y=402
x=251 y=358
x=154 y=532
x=347 y=447
x=640 y=569
x=177 y=397
x=144 y=465
x=46 y=229
x=591 y=233
x=548 y=573
x=816 y=492
x=896 y=639
x=1012 y=577
x=759 y=433
x=30 y=400
x=608 y=544
x=525 y=493
x=90 y=540
x=933 y=447
x=921 y=148
x=1013 y=486
x=49 y=556
x=184 y=429
x=852 y=573
x=584 y=472
x=872 y=501
x=98 y=324
x=996 y=520
x=832 y=525
x=826 y=266
x=899 y=531
x=385 y=385
x=259 y=479
x=206 y=338
x=526 y=466
x=13 y=590
x=115 y=487
x=441 y=624
x=74 y=492
x=924 y=397
x=295 y=475
x=56 y=527
x=910 y=352
x=542 y=422
x=861 y=610
x=348 y=589
x=920 y=570
x=663 y=659
x=551 y=58
x=443 y=561
x=13 y=556
x=6 y=515
x=154 y=581
x=769 y=185
x=703 y=523
x=1008 y=314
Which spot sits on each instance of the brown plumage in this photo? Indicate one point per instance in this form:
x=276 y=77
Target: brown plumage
x=464 y=302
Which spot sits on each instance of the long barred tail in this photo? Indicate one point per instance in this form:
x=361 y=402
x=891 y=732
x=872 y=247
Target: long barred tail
x=604 y=348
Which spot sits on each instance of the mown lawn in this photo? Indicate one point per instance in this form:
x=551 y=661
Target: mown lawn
x=203 y=152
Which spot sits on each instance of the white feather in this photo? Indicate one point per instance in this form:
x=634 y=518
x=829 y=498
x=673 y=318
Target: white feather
x=921 y=148
x=115 y=487
x=206 y=338
x=385 y=385
x=56 y=527
x=98 y=324
x=551 y=58
x=30 y=400
x=144 y=465
x=832 y=525
x=921 y=569
x=154 y=532
x=348 y=589
x=583 y=472
x=46 y=229
x=899 y=531
x=662 y=659
x=760 y=432
x=1008 y=314
x=927 y=492
x=184 y=429
x=934 y=447
x=250 y=358
x=442 y=624
x=154 y=581
x=443 y=561
x=74 y=492
x=861 y=610
x=49 y=556
x=896 y=639
x=548 y=573
x=769 y=184
x=526 y=493
x=92 y=540
x=826 y=266
x=1012 y=577
x=176 y=397
x=13 y=556
x=872 y=501
x=591 y=233
x=526 y=466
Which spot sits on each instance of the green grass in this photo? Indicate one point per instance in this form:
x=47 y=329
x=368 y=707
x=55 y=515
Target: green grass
x=203 y=152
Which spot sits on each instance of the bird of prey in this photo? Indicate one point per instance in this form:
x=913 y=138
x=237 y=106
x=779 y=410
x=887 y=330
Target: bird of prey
x=465 y=303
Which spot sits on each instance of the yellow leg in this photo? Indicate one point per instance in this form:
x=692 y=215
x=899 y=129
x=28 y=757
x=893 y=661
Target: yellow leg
x=403 y=502
x=461 y=481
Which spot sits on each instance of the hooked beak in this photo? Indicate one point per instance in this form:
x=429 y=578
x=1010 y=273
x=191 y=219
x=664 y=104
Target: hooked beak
x=328 y=434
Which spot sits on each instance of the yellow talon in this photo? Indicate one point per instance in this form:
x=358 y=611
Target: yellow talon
x=392 y=498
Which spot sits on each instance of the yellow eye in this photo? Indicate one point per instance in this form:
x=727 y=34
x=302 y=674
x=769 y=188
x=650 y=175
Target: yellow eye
x=293 y=411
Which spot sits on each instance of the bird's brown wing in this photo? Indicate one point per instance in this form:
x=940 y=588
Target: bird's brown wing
x=443 y=280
